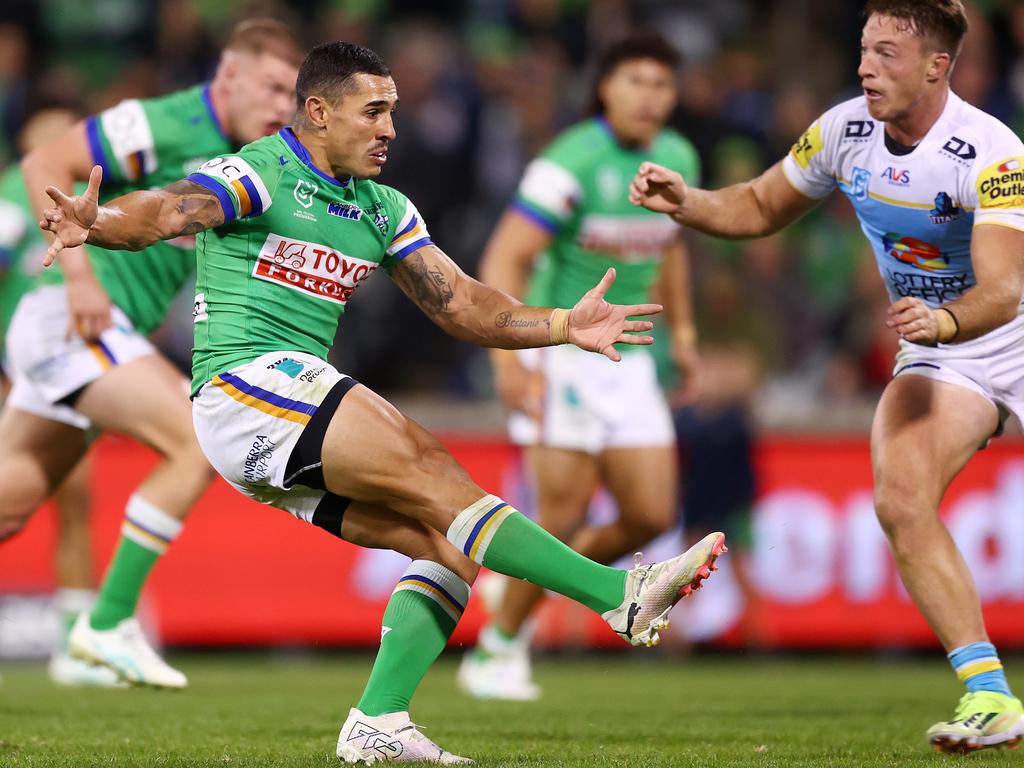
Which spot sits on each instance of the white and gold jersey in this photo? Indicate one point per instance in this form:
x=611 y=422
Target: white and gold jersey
x=918 y=209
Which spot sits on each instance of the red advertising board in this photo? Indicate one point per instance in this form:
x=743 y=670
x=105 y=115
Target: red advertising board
x=244 y=574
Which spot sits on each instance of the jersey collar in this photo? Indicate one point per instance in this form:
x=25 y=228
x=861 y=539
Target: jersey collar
x=213 y=113
x=603 y=122
x=295 y=145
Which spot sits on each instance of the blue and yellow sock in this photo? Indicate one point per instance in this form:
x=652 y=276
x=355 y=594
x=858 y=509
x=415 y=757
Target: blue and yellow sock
x=978 y=667
x=492 y=533
x=420 y=617
x=145 y=535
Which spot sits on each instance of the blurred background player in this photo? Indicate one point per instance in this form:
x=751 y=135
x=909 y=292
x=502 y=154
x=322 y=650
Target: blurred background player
x=22 y=247
x=77 y=344
x=582 y=419
x=938 y=186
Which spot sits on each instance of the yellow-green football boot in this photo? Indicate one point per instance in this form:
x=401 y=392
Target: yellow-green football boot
x=982 y=719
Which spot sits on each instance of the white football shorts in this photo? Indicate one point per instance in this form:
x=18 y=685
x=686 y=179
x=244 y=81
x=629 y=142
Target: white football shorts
x=47 y=364
x=992 y=366
x=591 y=403
x=262 y=427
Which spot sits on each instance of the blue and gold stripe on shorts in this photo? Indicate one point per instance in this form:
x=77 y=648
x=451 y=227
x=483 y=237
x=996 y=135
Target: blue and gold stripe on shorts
x=264 y=400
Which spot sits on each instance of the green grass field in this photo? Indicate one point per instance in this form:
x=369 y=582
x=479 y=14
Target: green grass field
x=256 y=710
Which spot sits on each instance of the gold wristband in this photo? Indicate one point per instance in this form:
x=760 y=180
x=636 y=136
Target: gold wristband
x=560 y=326
x=684 y=334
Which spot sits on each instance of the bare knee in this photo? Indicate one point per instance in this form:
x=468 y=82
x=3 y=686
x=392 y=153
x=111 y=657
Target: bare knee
x=436 y=548
x=184 y=452
x=14 y=514
x=901 y=511
x=20 y=499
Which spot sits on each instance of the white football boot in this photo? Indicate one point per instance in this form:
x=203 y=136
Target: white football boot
x=652 y=590
x=75 y=673
x=498 y=668
x=365 y=739
x=125 y=650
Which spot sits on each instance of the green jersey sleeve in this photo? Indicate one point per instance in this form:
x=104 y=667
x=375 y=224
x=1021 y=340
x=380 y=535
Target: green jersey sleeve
x=14 y=229
x=121 y=141
x=408 y=234
x=242 y=183
x=551 y=191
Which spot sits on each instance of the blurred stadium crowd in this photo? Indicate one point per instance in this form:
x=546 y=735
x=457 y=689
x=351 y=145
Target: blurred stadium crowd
x=791 y=323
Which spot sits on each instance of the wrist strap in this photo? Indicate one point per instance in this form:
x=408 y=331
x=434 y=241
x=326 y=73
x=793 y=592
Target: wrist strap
x=559 y=326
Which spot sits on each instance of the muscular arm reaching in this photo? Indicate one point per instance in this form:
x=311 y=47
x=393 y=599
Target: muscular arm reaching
x=130 y=222
x=472 y=311
x=753 y=208
x=997 y=255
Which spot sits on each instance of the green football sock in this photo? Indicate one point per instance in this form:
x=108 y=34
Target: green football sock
x=145 y=535
x=495 y=535
x=420 y=617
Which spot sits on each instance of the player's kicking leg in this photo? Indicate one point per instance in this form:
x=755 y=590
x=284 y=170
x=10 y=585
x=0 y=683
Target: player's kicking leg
x=146 y=399
x=372 y=453
x=924 y=433
x=642 y=482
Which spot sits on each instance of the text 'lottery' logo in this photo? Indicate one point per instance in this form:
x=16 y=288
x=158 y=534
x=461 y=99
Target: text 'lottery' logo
x=304 y=192
x=915 y=252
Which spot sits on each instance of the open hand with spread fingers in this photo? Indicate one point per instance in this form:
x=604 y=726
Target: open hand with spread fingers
x=72 y=217
x=596 y=326
x=657 y=188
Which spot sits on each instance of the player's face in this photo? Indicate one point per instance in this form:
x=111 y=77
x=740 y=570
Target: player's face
x=895 y=66
x=262 y=96
x=360 y=127
x=639 y=95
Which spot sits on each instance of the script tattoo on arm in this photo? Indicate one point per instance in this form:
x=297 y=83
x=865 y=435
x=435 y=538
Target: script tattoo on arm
x=505 y=320
x=426 y=284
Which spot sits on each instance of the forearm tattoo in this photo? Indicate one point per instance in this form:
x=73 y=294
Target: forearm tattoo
x=425 y=284
x=505 y=320
x=198 y=206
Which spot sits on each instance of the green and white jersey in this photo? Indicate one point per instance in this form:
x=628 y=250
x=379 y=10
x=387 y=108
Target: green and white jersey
x=578 y=190
x=295 y=245
x=147 y=144
x=22 y=245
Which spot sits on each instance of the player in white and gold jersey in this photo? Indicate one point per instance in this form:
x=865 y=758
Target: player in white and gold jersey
x=938 y=186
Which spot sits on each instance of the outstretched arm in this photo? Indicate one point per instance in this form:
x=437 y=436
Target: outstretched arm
x=130 y=222
x=472 y=311
x=753 y=208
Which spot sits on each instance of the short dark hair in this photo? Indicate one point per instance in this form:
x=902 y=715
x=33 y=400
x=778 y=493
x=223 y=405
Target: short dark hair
x=944 y=22
x=643 y=44
x=328 y=68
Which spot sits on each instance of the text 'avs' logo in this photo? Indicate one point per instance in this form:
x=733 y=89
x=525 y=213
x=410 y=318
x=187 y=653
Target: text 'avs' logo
x=915 y=252
x=345 y=211
x=945 y=210
x=901 y=177
x=859 y=129
x=960 y=149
